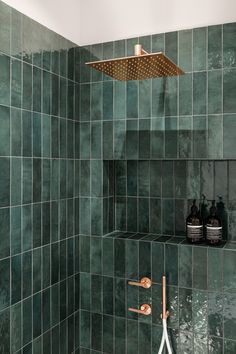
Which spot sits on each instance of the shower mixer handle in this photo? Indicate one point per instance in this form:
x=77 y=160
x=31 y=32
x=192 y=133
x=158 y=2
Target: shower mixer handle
x=145 y=283
x=145 y=309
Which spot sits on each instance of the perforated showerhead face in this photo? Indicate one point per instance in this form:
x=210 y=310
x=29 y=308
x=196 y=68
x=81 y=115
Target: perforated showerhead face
x=138 y=67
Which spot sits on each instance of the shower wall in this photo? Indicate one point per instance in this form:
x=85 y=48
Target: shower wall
x=39 y=205
x=159 y=144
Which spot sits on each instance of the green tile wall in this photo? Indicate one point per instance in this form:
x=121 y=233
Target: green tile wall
x=147 y=148
x=39 y=199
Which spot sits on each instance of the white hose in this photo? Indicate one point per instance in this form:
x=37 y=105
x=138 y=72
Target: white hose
x=165 y=339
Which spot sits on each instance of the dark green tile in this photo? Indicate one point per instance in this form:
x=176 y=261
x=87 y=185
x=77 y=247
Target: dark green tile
x=16 y=340
x=5 y=284
x=96 y=140
x=144 y=138
x=132 y=139
x=26 y=128
x=200 y=137
x=37 y=89
x=199 y=93
x=4 y=131
x=229 y=278
x=167 y=179
x=167 y=216
x=171 y=46
x=157 y=138
x=107 y=100
x=27 y=227
x=215 y=47
x=46 y=134
x=200 y=268
x=27 y=87
x=120 y=334
x=215 y=133
x=16 y=134
x=185 y=309
x=229 y=89
x=229 y=315
x=5 y=182
x=215 y=345
x=96 y=101
x=15 y=230
x=27 y=274
x=46 y=99
x=229 y=346
x=108 y=140
x=185 y=266
x=85 y=140
x=27 y=181
x=119 y=139
x=143 y=215
x=229 y=126
x=171 y=137
x=185 y=136
x=171 y=264
x=171 y=96
x=229 y=47
x=37 y=315
x=185 y=94
x=16 y=83
x=16 y=33
x=215 y=314
x=155 y=216
x=158 y=97
x=27 y=321
x=132 y=214
x=185 y=50
x=5 y=232
x=5 y=330
x=132 y=99
x=144 y=259
x=5 y=19
x=16 y=268
x=119 y=100
x=144 y=98
x=119 y=259
x=199 y=48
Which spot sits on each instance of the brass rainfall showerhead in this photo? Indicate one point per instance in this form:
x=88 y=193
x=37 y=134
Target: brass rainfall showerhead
x=140 y=66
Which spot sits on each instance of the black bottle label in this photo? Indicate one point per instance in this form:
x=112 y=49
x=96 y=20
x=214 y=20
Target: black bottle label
x=214 y=234
x=195 y=232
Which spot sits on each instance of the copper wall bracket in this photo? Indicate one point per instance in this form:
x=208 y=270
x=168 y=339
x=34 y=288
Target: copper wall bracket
x=145 y=309
x=145 y=283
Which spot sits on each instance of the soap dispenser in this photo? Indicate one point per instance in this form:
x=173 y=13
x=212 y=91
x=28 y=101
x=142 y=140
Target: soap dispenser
x=194 y=225
x=213 y=226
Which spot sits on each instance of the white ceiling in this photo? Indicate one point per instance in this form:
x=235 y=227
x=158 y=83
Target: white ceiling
x=92 y=21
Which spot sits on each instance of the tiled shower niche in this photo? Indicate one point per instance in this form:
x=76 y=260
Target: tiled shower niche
x=159 y=144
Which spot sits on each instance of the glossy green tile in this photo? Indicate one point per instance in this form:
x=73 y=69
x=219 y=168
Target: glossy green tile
x=215 y=34
x=215 y=269
x=185 y=266
x=143 y=215
x=185 y=94
x=207 y=173
x=229 y=279
x=144 y=98
x=157 y=138
x=119 y=100
x=199 y=93
x=143 y=179
x=167 y=216
x=5 y=284
x=16 y=33
x=144 y=138
x=215 y=134
x=199 y=48
x=229 y=88
x=158 y=97
x=229 y=316
x=119 y=139
x=132 y=139
x=27 y=274
x=119 y=294
x=228 y=136
x=107 y=100
x=215 y=345
x=185 y=50
x=200 y=137
x=119 y=254
x=108 y=333
x=107 y=140
x=5 y=330
x=96 y=101
x=5 y=232
x=27 y=181
x=171 y=137
x=167 y=179
x=120 y=333
x=215 y=314
x=171 y=96
x=171 y=45
x=5 y=20
x=5 y=131
x=155 y=216
x=26 y=128
x=171 y=264
x=199 y=268
x=5 y=182
x=16 y=83
x=229 y=49
x=132 y=99
x=185 y=309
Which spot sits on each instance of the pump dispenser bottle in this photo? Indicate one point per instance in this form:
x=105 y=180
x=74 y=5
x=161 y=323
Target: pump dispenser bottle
x=194 y=225
x=213 y=226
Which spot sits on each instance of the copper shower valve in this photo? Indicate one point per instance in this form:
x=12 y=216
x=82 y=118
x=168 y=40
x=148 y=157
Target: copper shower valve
x=145 y=309
x=145 y=283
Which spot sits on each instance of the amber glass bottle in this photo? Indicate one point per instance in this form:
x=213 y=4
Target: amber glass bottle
x=194 y=225
x=213 y=226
